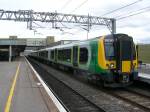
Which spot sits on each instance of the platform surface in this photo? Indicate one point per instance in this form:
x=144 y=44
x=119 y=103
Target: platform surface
x=28 y=95
x=144 y=77
x=144 y=73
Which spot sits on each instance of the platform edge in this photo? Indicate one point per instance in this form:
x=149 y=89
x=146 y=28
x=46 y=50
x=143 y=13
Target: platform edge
x=52 y=96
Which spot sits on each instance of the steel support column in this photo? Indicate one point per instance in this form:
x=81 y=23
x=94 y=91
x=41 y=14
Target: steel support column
x=113 y=26
x=10 y=53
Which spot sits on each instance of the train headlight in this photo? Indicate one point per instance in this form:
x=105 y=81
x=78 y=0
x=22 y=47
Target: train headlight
x=112 y=65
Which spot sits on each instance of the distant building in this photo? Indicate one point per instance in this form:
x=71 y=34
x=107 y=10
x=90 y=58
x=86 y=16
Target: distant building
x=38 y=43
x=50 y=40
x=35 y=41
x=13 y=46
x=13 y=37
x=33 y=44
x=61 y=42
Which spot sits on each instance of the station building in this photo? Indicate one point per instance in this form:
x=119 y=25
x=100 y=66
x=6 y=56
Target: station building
x=12 y=47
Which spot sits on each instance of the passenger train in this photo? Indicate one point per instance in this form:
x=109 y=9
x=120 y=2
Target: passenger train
x=111 y=59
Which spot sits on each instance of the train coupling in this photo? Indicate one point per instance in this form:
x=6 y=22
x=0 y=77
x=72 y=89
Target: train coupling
x=124 y=78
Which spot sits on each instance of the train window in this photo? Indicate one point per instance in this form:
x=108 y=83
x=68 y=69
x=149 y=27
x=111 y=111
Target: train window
x=60 y=55
x=126 y=50
x=52 y=54
x=45 y=54
x=40 y=54
x=109 y=50
x=83 y=55
x=68 y=55
x=64 y=55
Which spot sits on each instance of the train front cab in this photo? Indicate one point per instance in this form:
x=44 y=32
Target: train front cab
x=119 y=59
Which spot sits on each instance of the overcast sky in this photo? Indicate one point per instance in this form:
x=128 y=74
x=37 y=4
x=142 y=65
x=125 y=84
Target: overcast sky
x=137 y=26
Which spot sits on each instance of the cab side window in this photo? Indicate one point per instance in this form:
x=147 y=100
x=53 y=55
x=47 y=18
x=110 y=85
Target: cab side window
x=52 y=54
x=83 y=55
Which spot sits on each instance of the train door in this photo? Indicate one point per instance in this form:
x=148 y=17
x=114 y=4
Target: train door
x=75 y=55
x=126 y=49
x=125 y=54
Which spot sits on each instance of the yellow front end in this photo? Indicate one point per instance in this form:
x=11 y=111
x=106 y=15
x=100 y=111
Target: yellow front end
x=127 y=68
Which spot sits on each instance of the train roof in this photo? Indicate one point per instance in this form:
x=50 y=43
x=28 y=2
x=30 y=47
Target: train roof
x=76 y=43
x=73 y=43
x=70 y=44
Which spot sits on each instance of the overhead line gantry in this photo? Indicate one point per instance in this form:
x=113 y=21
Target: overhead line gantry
x=30 y=16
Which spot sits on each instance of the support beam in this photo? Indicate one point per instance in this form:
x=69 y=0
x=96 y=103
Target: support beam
x=10 y=53
x=30 y=16
x=113 y=26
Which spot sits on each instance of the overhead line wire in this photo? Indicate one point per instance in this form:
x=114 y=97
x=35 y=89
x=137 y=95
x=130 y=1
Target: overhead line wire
x=65 y=5
x=122 y=7
x=79 y=6
x=133 y=14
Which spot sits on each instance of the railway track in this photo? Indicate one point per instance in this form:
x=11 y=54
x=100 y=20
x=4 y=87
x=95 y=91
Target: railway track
x=71 y=99
x=135 y=98
x=133 y=95
x=138 y=91
x=131 y=99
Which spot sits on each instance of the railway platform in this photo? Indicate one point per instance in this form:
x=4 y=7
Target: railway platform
x=144 y=73
x=145 y=77
x=21 y=90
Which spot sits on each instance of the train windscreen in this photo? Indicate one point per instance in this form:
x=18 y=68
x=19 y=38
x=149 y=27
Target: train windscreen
x=109 y=49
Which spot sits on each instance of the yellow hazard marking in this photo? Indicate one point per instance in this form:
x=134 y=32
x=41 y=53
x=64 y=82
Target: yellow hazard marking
x=8 y=103
x=126 y=66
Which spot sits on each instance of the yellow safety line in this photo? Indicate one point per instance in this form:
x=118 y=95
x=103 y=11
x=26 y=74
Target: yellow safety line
x=8 y=103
